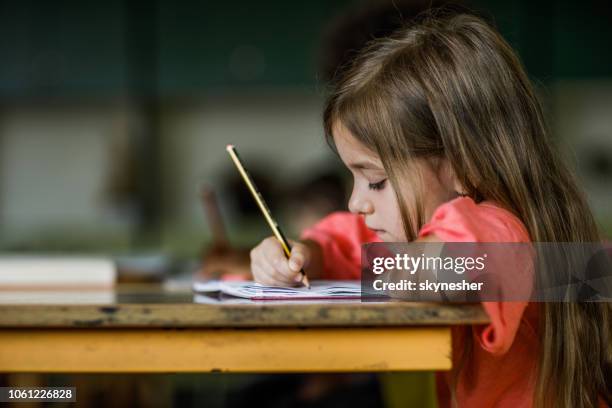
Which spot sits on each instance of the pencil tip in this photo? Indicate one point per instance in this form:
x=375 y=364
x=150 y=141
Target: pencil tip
x=305 y=281
x=229 y=147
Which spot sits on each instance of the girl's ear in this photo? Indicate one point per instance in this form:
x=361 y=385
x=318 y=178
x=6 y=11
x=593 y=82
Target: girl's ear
x=447 y=176
x=459 y=188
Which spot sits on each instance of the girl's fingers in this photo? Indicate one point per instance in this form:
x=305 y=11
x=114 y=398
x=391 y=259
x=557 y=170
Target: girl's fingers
x=263 y=271
x=269 y=265
x=278 y=270
x=296 y=262
x=263 y=276
x=284 y=272
x=256 y=266
x=275 y=254
x=272 y=277
x=300 y=255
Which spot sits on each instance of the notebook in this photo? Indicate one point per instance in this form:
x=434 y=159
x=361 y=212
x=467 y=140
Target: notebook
x=323 y=289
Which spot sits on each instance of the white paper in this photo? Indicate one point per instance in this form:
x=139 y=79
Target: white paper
x=204 y=286
x=319 y=290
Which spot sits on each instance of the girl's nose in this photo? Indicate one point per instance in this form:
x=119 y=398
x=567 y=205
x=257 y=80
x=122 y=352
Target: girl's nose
x=359 y=204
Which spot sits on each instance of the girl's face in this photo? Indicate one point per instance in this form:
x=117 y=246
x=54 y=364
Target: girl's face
x=373 y=195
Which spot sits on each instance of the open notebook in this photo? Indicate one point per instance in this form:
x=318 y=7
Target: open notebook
x=323 y=289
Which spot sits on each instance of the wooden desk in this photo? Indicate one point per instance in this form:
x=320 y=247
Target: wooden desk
x=146 y=329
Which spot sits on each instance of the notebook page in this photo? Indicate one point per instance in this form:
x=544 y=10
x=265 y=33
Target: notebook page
x=319 y=290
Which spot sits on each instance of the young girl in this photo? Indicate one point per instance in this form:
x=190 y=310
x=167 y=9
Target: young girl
x=446 y=141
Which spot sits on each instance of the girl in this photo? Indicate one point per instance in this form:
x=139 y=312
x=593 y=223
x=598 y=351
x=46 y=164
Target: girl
x=446 y=141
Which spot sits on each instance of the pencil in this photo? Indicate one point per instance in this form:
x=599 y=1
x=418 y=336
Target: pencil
x=278 y=233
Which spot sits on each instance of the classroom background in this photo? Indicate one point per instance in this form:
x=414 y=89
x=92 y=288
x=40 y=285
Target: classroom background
x=115 y=115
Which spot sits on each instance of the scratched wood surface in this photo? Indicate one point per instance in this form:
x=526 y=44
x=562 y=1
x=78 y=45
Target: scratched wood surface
x=151 y=306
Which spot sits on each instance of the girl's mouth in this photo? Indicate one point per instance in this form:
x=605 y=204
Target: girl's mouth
x=376 y=230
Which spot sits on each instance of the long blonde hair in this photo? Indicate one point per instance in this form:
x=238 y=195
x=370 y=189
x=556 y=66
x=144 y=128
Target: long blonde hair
x=450 y=86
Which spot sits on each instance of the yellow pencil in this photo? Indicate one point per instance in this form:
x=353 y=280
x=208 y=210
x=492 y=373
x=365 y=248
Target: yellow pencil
x=264 y=208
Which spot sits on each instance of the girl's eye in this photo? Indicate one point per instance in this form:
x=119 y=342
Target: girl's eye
x=377 y=186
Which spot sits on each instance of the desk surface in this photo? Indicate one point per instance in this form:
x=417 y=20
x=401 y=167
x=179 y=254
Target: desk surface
x=149 y=329
x=151 y=306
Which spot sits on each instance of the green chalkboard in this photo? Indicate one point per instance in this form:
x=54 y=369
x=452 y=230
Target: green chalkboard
x=169 y=47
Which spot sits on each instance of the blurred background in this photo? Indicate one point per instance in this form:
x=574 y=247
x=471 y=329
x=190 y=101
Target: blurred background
x=114 y=115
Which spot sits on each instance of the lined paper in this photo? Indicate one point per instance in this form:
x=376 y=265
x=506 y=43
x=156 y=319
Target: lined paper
x=323 y=289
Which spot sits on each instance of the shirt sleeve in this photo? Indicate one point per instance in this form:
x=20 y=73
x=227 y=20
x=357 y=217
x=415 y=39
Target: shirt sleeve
x=340 y=236
x=462 y=220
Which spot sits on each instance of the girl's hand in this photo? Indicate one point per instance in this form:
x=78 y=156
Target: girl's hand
x=270 y=266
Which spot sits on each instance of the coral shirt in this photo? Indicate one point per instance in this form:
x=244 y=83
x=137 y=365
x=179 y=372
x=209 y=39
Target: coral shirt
x=502 y=367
